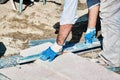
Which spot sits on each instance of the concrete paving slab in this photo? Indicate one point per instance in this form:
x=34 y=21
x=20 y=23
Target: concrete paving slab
x=78 y=68
x=31 y=72
x=68 y=66
x=69 y=47
x=35 y=49
x=3 y=77
x=41 y=41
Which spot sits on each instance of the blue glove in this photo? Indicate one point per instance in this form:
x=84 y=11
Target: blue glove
x=90 y=37
x=48 y=54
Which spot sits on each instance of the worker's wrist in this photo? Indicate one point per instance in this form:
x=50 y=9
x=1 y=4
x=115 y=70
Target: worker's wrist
x=90 y=30
x=57 y=48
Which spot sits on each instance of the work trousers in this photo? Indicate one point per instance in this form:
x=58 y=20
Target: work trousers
x=69 y=14
x=110 y=26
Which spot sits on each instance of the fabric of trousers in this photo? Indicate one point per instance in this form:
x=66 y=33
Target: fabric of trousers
x=110 y=27
x=69 y=13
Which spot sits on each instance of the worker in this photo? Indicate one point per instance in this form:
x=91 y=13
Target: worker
x=67 y=19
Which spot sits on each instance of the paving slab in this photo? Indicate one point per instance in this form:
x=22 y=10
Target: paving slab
x=68 y=47
x=35 y=49
x=3 y=77
x=68 y=66
x=78 y=68
x=31 y=72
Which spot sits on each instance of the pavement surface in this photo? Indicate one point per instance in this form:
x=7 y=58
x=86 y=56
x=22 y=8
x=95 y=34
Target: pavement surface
x=68 y=66
x=9 y=61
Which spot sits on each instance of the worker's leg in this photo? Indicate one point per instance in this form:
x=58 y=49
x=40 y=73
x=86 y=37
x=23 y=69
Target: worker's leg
x=110 y=26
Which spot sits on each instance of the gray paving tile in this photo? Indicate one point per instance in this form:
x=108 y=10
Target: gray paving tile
x=65 y=67
x=31 y=72
x=77 y=68
x=3 y=77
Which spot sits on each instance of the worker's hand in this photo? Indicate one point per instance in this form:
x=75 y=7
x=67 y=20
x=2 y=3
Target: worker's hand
x=48 y=54
x=90 y=37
